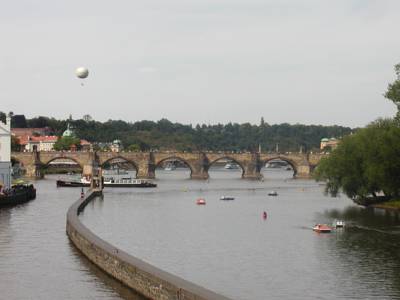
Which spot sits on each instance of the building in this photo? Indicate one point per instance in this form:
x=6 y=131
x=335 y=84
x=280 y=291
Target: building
x=39 y=143
x=5 y=153
x=116 y=146
x=331 y=143
x=85 y=145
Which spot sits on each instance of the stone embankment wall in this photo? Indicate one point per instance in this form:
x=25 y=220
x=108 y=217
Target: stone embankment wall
x=151 y=282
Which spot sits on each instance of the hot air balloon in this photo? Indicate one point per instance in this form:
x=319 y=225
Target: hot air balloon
x=82 y=72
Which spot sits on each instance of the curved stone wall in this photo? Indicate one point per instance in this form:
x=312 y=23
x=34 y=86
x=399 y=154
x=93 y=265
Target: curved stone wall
x=151 y=282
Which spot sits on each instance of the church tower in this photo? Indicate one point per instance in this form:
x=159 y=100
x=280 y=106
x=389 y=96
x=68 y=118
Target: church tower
x=5 y=153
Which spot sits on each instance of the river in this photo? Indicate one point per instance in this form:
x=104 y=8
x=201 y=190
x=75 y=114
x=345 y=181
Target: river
x=225 y=246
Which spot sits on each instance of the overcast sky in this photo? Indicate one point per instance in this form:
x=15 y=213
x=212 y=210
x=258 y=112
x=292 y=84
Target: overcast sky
x=201 y=61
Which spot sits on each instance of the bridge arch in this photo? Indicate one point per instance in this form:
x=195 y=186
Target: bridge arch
x=173 y=157
x=131 y=162
x=47 y=163
x=292 y=163
x=227 y=157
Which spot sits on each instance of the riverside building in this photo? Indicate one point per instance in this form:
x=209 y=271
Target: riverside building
x=5 y=153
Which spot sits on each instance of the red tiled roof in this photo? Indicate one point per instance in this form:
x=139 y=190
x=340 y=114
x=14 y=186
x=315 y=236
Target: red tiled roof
x=23 y=140
x=85 y=142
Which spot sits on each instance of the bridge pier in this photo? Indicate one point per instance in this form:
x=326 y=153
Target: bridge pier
x=251 y=168
x=202 y=175
x=303 y=172
x=199 y=167
x=87 y=170
x=34 y=171
x=146 y=168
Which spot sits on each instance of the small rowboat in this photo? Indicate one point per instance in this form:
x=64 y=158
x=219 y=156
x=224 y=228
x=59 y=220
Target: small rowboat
x=322 y=228
x=273 y=193
x=200 y=201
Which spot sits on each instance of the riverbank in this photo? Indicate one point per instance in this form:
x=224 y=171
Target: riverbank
x=393 y=205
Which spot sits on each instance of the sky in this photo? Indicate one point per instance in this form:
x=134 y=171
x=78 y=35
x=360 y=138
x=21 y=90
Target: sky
x=201 y=61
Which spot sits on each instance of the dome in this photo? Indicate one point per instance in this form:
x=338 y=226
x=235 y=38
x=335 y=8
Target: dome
x=69 y=131
x=332 y=139
x=325 y=140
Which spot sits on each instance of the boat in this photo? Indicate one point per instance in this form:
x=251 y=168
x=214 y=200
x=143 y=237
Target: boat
x=273 y=193
x=322 y=228
x=227 y=198
x=169 y=168
x=338 y=224
x=200 y=201
x=231 y=166
x=108 y=182
x=83 y=182
x=128 y=182
x=18 y=194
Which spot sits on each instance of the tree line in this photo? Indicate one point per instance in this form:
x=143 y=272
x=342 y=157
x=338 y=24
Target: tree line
x=166 y=135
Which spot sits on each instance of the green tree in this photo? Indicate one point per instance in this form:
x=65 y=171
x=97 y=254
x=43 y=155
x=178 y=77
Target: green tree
x=134 y=148
x=365 y=164
x=66 y=142
x=393 y=91
x=15 y=146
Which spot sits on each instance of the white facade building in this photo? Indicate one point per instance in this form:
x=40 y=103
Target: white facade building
x=5 y=153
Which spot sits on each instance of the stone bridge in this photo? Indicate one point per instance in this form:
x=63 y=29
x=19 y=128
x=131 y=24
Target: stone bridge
x=146 y=162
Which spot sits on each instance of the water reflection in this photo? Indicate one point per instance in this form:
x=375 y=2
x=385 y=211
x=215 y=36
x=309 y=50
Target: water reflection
x=37 y=260
x=92 y=270
x=368 y=250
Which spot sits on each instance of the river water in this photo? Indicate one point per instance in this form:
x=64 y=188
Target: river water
x=225 y=246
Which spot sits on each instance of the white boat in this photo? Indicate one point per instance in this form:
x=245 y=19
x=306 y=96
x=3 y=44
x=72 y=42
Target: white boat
x=231 y=166
x=338 y=224
x=273 y=193
x=227 y=198
x=128 y=182
x=169 y=167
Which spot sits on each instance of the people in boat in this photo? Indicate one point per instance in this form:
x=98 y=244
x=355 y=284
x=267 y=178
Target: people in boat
x=264 y=214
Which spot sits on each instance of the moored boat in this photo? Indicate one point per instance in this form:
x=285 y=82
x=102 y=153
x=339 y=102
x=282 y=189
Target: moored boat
x=82 y=182
x=108 y=182
x=322 y=228
x=18 y=194
x=71 y=183
x=128 y=182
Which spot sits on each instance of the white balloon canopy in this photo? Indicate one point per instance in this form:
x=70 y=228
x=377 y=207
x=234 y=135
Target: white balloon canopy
x=82 y=72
